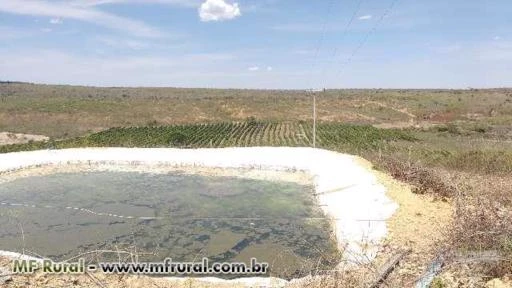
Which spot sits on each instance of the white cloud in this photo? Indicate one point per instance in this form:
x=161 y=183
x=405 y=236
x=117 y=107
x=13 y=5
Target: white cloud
x=303 y=52
x=178 y=70
x=218 y=10
x=447 y=49
x=90 y=3
x=67 y=10
x=298 y=27
x=185 y=3
x=119 y=43
x=8 y=32
x=494 y=51
x=269 y=68
x=56 y=21
x=497 y=38
x=307 y=27
x=254 y=68
x=365 y=17
x=487 y=66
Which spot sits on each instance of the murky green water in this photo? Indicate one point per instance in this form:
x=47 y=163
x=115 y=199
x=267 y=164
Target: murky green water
x=185 y=217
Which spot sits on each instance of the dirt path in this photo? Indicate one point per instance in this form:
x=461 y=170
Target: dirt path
x=399 y=110
x=400 y=124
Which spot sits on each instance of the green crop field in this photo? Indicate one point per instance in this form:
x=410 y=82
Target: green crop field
x=243 y=134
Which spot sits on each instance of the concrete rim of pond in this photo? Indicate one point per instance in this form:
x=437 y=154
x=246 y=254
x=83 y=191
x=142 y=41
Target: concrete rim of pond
x=347 y=192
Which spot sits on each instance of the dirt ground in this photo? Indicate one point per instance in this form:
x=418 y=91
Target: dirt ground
x=7 y=138
x=417 y=225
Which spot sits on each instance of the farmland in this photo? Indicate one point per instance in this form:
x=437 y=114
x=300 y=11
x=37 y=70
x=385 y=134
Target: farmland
x=449 y=126
x=452 y=146
x=69 y=111
x=243 y=134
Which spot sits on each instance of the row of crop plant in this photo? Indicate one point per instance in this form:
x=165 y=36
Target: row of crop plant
x=336 y=136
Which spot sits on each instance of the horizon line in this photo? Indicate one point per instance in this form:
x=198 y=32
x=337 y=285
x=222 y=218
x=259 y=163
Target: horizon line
x=248 y=88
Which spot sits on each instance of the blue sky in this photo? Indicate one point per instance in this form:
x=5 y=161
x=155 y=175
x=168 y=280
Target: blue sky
x=290 y=44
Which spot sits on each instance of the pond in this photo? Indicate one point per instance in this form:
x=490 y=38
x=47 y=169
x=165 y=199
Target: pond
x=155 y=216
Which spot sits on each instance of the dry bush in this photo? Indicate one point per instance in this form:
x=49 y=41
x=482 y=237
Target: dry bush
x=482 y=230
x=425 y=180
x=479 y=242
x=363 y=276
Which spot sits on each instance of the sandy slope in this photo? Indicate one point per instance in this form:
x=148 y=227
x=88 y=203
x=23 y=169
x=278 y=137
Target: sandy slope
x=7 y=138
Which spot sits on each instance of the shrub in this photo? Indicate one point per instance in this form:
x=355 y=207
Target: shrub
x=481 y=128
x=152 y=123
x=177 y=138
x=424 y=180
x=453 y=129
x=251 y=121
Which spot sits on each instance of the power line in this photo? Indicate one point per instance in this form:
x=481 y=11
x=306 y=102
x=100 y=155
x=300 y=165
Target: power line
x=344 y=34
x=345 y=30
x=314 y=63
x=321 y=40
x=354 y=53
x=367 y=36
x=349 y=23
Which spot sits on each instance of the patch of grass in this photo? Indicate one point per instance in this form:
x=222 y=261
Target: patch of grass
x=480 y=161
x=471 y=160
x=438 y=283
x=482 y=128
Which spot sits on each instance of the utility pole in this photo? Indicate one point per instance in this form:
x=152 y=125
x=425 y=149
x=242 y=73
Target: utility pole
x=314 y=120
x=313 y=92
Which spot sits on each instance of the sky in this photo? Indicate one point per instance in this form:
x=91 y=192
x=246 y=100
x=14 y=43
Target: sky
x=264 y=44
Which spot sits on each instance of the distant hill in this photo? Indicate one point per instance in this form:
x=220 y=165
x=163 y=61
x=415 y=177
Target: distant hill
x=13 y=82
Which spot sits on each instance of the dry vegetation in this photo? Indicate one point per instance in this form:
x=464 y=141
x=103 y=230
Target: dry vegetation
x=62 y=111
x=453 y=147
